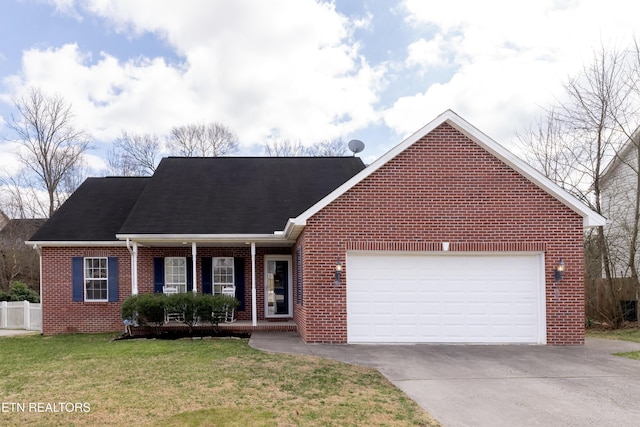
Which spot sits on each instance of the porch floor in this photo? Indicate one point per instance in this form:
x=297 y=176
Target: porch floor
x=239 y=326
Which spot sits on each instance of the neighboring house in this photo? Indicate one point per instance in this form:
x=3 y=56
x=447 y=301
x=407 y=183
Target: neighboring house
x=448 y=237
x=3 y=220
x=18 y=262
x=619 y=196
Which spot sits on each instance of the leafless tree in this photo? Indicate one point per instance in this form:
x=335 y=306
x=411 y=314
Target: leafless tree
x=579 y=137
x=50 y=144
x=134 y=155
x=546 y=149
x=284 y=148
x=203 y=140
x=288 y=148
x=328 y=148
x=21 y=198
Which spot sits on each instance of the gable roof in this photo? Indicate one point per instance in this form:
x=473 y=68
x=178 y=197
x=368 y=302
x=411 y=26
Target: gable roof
x=233 y=195
x=190 y=198
x=94 y=212
x=590 y=217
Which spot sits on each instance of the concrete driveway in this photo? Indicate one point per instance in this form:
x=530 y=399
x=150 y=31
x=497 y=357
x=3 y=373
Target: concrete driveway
x=502 y=385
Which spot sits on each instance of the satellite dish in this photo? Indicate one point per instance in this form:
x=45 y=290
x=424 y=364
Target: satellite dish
x=356 y=146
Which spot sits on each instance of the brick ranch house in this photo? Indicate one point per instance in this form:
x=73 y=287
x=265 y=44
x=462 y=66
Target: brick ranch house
x=448 y=237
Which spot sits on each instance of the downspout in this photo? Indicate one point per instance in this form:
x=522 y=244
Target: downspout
x=194 y=252
x=254 y=304
x=133 y=250
x=39 y=250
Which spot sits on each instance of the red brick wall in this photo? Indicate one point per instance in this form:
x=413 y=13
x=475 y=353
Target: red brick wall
x=62 y=315
x=444 y=188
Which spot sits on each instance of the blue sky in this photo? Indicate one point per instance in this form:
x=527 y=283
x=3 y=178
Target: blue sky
x=302 y=70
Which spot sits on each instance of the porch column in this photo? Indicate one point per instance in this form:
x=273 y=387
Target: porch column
x=134 y=269
x=194 y=252
x=254 y=304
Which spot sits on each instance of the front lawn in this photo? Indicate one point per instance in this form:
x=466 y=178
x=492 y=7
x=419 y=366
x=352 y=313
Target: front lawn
x=626 y=334
x=91 y=380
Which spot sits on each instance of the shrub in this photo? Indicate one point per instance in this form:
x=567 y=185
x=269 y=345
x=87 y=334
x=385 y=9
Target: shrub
x=213 y=308
x=145 y=309
x=184 y=306
x=20 y=292
x=190 y=308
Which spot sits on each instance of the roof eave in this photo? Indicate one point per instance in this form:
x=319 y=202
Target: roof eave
x=590 y=217
x=275 y=238
x=74 y=243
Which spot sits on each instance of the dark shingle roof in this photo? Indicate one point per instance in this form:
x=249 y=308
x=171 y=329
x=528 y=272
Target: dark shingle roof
x=234 y=195
x=94 y=212
x=219 y=195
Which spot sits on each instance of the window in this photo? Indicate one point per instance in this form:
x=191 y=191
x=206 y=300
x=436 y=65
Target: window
x=175 y=273
x=222 y=274
x=95 y=279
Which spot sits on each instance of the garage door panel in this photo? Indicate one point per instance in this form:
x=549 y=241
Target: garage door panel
x=444 y=298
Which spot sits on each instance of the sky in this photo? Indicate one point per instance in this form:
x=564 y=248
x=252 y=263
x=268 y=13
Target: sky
x=302 y=70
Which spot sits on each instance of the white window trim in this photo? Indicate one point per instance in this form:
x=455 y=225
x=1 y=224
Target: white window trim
x=85 y=278
x=181 y=286
x=215 y=284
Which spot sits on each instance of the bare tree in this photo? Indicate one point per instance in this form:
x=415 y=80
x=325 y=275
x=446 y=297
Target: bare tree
x=134 y=155
x=284 y=148
x=546 y=149
x=288 y=148
x=579 y=137
x=21 y=198
x=51 y=146
x=328 y=148
x=203 y=140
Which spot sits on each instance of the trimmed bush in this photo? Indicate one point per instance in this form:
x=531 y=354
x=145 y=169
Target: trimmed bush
x=145 y=310
x=190 y=308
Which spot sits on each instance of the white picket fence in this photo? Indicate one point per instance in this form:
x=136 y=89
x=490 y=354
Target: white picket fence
x=20 y=315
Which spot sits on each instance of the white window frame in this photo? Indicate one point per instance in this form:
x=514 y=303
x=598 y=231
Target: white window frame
x=171 y=277
x=96 y=275
x=222 y=279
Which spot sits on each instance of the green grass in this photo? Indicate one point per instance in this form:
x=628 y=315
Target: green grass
x=627 y=334
x=219 y=382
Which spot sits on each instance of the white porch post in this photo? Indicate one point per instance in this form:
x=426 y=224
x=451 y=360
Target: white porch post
x=254 y=303
x=194 y=252
x=134 y=269
x=133 y=251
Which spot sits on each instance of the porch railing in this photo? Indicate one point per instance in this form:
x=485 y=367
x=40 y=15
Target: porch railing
x=20 y=315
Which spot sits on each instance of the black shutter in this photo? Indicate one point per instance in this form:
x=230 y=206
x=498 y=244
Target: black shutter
x=238 y=271
x=206 y=265
x=112 y=279
x=189 y=274
x=158 y=274
x=77 y=279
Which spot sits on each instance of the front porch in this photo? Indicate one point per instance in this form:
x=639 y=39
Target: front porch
x=237 y=327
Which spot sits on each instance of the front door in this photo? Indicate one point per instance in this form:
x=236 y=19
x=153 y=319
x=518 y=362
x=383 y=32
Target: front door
x=277 y=281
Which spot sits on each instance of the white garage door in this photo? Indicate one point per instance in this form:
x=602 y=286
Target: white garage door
x=458 y=298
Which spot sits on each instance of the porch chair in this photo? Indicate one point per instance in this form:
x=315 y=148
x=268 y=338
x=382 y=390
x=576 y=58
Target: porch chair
x=168 y=317
x=229 y=314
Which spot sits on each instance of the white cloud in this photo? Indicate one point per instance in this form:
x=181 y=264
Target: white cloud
x=428 y=53
x=510 y=57
x=8 y=159
x=258 y=67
